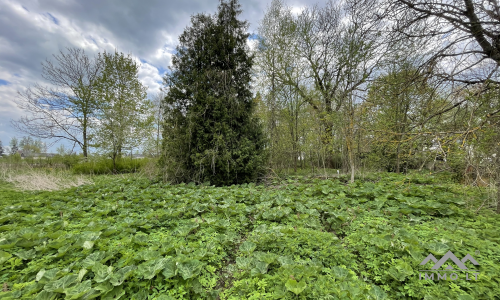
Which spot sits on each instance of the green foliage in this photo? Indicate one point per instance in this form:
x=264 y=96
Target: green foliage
x=122 y=109
x=128 y=238
x=210 y=133
x=101 y=165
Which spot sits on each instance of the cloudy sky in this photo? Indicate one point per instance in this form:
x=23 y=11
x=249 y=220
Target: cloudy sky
x=33 y=30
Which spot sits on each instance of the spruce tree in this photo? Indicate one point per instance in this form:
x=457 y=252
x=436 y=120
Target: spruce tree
x=210 y=132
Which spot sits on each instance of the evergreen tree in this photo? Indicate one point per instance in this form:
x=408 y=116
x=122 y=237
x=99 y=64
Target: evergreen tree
x=1 y=148
x=210 y=132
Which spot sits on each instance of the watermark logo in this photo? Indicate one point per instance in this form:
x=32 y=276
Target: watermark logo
x=453 y=276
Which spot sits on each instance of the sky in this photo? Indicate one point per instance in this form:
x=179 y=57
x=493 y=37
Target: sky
x=32 y=31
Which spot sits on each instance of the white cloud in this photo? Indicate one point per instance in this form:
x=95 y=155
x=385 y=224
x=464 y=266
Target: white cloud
x=150 y=77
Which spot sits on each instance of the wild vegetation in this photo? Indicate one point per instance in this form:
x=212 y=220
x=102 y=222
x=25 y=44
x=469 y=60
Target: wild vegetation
x=354 y=141
x=291 y=239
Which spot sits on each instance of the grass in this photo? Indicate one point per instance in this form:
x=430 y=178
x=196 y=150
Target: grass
x=125 y=237
x=41 y=179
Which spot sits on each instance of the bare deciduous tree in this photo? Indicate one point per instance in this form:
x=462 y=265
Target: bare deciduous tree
x=64 y=108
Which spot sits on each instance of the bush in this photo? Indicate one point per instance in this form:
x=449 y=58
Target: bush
x=100 y=165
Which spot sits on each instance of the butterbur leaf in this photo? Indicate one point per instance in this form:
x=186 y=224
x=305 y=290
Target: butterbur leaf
x=295 y=287
x=81 y=274
x=93 y=258
x=170 y=269
x=189 y=269
x=285 y=260
x=243 y=262
x=109 y=231
x=150 y=268
x=114 y=294
x=39 y=275
x=268 y=258
x=26 y=255
x=400 y=271
x=119 y=276
x=261 y=267
x=44 y=295
x=339 y=272
x=88 y=244
x=102 y=272
x=438 y=248
x=148 y=254
x=104 y=287
x=55 y=226
x=141 y=295
x=91 y=294
x=465 y=297
x=4 y=256
x=56 y=244
x=60 y=285
x=141 y=239
x=78 y=290
x=46 y=276
x=377 y=293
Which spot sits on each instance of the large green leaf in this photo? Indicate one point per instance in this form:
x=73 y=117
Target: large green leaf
x=247 y=247
x=26 y=255
x=119 y=276
x=243 y=262
x=141 y=295
x=116 y=293
x=285 y=260
x=141 y=239
x=148 y=254
x=102 y=272
x=62 y=284
x=4 y=256
x=295 y=287
x=91 y=294
x=150 y=268
x=377 y=293
x=44 y=276
x=340 y=273
x=190 y=268
x=400 y=270
x=44 y=295
x=268 y=257
x=90 y=260
x=438 y=248
x=78 y=290
x=260 y=268
x=170 y=269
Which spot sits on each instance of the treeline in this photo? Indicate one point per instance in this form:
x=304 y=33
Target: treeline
x=93 y=102
x=373 y=84
x=352 y=85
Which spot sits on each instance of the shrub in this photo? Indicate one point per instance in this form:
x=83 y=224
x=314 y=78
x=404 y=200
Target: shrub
x=100 y=165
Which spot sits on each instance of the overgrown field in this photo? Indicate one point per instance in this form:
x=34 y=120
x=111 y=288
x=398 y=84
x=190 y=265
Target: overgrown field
x=298 y=239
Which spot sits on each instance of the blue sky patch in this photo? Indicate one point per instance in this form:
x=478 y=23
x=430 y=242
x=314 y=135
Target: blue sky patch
x=163 y=70
x=54 y=19
x=253 y=36
x=25 y=8
x=4 y=82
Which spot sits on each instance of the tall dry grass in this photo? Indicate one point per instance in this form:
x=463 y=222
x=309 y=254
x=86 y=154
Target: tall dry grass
x=41 y=179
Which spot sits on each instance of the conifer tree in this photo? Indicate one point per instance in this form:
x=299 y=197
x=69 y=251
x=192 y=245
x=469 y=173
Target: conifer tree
x=210 y=132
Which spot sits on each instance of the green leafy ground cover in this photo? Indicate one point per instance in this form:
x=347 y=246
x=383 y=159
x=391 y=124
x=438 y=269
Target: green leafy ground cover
x=300 y=239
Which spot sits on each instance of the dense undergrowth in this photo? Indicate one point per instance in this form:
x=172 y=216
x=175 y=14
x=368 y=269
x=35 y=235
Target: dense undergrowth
x=128 y=238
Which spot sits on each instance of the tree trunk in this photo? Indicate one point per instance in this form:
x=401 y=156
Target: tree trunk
x=397 y=157
x=498 y=196
x=85 y=145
